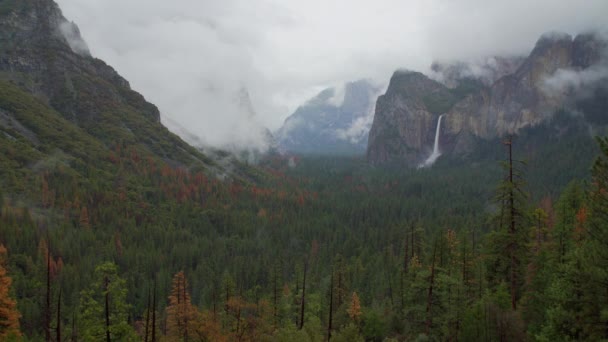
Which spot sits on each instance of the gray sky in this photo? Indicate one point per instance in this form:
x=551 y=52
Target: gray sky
x=192 y=57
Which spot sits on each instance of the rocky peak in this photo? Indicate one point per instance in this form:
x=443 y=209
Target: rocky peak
x=551 y=52
x=406 y=115
x=39 y=22
x=410 y=84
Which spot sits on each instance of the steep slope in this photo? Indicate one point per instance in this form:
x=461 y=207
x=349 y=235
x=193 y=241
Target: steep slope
x=551 y=77
x=43 y=54
x=335 y=121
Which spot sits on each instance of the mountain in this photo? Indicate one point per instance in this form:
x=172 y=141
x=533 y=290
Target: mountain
x=45 y=64
x=336 y=121
x=560 y=72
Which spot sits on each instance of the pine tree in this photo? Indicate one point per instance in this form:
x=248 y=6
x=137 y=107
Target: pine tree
x=9 y=315
x=103 y=307
x=181 y=314
x=593 y=231
x=354 y=310
x=507 y=248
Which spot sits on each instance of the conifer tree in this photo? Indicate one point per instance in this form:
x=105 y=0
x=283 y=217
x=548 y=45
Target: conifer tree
x=181 y=314
x=508 y=243
x=354 y=310
x=9 y=315
x=103 y=307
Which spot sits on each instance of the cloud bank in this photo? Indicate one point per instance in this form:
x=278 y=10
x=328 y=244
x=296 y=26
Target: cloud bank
x=193 y=57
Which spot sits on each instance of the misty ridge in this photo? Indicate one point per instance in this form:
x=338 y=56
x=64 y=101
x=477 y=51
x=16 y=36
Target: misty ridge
x=192 y=59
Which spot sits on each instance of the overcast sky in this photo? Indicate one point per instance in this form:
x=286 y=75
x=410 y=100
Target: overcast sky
x=192 y=57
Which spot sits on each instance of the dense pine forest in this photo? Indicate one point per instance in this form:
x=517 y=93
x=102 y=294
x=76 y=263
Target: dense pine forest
x=110 y=242
x=113 y=228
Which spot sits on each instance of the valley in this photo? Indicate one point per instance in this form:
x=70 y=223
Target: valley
x=465 y=204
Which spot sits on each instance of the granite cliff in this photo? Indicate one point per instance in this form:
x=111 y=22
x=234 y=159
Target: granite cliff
x=545 y=81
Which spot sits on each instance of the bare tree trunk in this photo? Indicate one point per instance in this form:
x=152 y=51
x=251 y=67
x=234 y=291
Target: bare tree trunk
x=512 y=227
x=58 y=331
x=107 y=309
x=406 y=256
x=275 y=297
x=303 y=304
x=147 y=319
x=154 y=313
x=74 y=337
x=429 y=318
x=331 y=306
x=185 y=310
x=47 y=310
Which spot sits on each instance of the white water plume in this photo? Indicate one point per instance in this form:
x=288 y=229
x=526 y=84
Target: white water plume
x=436 y=153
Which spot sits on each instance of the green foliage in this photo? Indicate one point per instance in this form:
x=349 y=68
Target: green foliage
x=107 y=289
x=349 y=333
x=374 y=325
x=111 y=193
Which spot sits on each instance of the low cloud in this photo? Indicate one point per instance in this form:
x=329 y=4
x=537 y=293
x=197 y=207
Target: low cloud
x=575 y=81
x=70 y=32
x=191 y=57
x=357 y=131
x=487 y=70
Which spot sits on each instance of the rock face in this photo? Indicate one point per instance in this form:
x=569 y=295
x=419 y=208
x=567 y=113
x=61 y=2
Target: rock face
x=335 y=121
x=44 y=54
x=405 y=118
x=404 y=123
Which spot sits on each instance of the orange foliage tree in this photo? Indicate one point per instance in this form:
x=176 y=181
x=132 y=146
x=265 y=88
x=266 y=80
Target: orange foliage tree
x=181 y=314
x=354 y=311
x=9 y=315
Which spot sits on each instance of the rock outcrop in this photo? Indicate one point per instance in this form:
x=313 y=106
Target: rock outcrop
x=404 y=124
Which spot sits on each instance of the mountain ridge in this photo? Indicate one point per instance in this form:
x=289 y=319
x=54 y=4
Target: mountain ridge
x=406 y=117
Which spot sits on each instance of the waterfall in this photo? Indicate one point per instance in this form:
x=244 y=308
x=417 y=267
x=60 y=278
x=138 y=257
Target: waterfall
x=435 y=154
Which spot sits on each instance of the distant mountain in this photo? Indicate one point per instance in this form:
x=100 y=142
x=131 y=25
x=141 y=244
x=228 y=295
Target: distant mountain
x=336 y=121
x=560 y=72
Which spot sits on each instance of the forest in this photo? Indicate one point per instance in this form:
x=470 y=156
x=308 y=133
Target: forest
x=116 y=244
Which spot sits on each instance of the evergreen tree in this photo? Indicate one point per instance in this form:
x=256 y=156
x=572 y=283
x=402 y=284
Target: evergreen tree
x=594 y=231
x=507 y=247
x=103 y=307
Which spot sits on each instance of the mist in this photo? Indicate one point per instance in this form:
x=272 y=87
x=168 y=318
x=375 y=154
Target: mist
x=192 y=58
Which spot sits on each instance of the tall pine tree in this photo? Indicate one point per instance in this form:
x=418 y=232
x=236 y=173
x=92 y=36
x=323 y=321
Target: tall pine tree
x=181 y=314
x=103 y=307
x=9 y=315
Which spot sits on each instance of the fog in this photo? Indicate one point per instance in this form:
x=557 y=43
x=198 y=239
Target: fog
x=193 y=58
